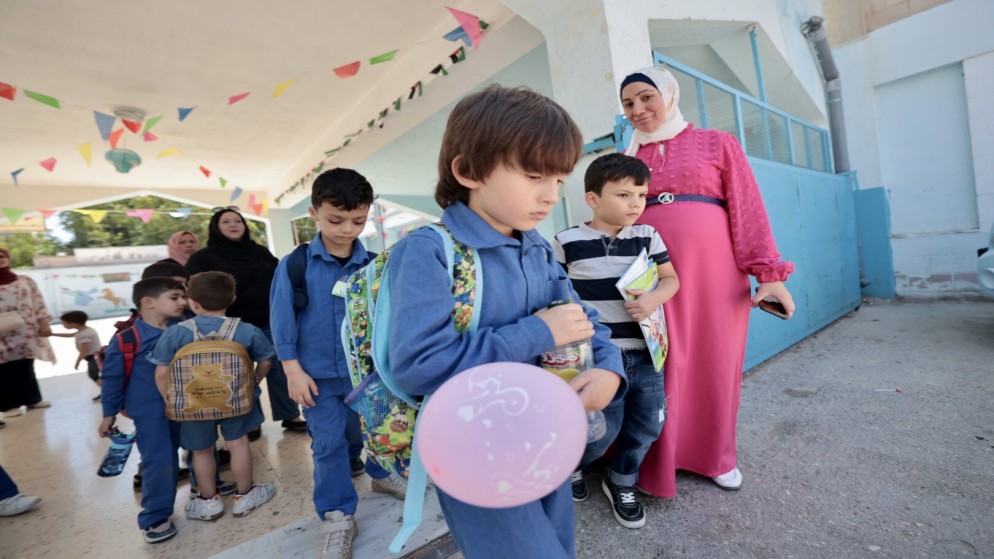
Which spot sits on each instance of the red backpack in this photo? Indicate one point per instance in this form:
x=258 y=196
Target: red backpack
x=128 y=341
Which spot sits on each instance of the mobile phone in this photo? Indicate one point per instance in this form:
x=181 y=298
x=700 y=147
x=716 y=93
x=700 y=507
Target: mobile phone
x=773 y=307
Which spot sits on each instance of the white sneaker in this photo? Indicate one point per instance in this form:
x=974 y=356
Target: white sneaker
x=259 y=495
x=338 y=529
x=729 y=480
x=393 y=485
x=18 y=504
x=205 y=509
x=13 y=412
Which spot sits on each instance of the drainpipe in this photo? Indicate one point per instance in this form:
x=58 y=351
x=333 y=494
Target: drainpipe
x=818 y=37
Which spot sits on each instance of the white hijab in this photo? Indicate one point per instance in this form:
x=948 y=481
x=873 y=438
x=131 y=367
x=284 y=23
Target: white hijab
x=673 y=123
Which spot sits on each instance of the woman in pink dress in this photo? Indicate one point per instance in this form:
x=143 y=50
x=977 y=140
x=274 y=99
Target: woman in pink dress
x=706 y=205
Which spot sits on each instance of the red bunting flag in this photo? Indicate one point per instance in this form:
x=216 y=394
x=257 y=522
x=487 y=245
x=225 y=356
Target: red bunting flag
x=115 y=137
x=236 y=98
x=49 y=164
x=47 y=213
x=348 y=70
x=132 y=125
x=7 y=91
x=205 y=171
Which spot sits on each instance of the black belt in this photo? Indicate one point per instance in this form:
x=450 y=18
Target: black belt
x=667 y=198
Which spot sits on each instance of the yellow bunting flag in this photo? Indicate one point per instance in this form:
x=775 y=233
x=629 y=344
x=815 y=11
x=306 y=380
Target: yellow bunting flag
x=86 y=150
x=168 y=152
x=281 y=88
x=96 y=215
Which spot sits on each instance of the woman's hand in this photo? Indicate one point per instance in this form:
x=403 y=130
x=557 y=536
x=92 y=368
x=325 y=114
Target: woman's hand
x=596 y=388
x=775 y=290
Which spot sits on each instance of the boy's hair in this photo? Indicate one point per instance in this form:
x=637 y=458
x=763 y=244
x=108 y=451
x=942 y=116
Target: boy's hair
x=342 y=188
x=214 y=291
x=164 y=269
x=614 y=167
x=502 y=125
x=76 y=317
x=152 y=287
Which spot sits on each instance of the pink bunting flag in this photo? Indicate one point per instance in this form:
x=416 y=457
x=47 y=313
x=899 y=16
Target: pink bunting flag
x=470 y=24
x=49 y=164
x=205 y=171
x=150 y=137
x=7 y=91
x=115 y=137
x=47 y=213
x=236 y=98
x=348 y=70
x=132 y=125
x=144 y=214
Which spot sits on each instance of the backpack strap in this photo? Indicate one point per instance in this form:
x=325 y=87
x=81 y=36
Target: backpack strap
x=417 y=481
x=128 y=342
x=296 y=268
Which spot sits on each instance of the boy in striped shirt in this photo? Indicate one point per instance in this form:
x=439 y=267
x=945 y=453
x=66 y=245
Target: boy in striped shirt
x=595 y=254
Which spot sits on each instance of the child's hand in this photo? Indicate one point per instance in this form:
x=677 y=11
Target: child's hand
x=642 y=306
x=568 y=323
x=596 y=388
x=301 y=386
x=105 y=426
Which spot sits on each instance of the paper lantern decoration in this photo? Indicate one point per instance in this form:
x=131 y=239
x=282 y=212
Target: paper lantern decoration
x=123 y=159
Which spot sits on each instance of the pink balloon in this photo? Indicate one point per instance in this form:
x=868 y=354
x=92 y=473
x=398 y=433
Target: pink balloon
x=502 y=434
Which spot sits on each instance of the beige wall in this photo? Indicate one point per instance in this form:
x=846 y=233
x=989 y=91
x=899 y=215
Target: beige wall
x=847 y=20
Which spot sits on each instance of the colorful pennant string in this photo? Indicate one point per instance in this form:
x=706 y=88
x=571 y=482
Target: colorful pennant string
x=280 y=88
x=144 y=214
x=86 y=150
x=387 y=56
x=105 y=123
x=348 y=70
x=48 y=164
x=13 y=214
x=184 y=112
x=43 y=99
x=115 y=137
x=7 y=91
x=236 y=98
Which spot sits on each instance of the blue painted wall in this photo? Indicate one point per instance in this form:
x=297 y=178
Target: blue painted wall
x=873 y=219
x=814 y=222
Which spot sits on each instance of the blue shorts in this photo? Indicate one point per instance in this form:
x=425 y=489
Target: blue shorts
x=200 y=435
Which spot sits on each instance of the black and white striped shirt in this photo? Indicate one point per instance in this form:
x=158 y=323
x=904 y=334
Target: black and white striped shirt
x=594 y=262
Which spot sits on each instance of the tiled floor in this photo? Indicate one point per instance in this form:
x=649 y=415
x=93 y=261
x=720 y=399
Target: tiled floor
x=53 y=453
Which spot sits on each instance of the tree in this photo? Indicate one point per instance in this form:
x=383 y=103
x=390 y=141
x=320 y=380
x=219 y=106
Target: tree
x=25 y=246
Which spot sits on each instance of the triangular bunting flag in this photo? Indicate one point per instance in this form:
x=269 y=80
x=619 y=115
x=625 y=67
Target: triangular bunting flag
x=205 y=171
x=43 y=99
x=281 y=88
x=47 y=213
x=105 y=123
x=7 y=91
x=439 y=70
x=144 y=214
x=396 y=104
x=96 y=215
x=183 y=113
x=223 y=181
x=458 y=55
x=416 y=88
x=115 y=137
x=469 y=23
x=333 y=151
x=254 y=206
x=458 y=34
x=14 y=174
x=236 y=98
x=383 y=114
x=150 y=123
x=319 y=168
x=235 y=194
x=150 y=137
x=49 y=164
x=13 y=214
x=86 y=150
x=348 y=70
x=346 y=142
x=181 y=212
x=168 y=152
x=383 y=57
x=371 y=123
x=132 y=125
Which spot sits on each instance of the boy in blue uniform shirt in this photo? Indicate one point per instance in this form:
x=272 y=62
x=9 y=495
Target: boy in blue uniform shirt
x=596 y=254
x=160 y=301
x=503 y=157
x=315 y=364
x=210 y=294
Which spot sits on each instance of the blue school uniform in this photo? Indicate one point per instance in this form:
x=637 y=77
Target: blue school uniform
x=157 y=437
x=312 y=339
x=521 y=277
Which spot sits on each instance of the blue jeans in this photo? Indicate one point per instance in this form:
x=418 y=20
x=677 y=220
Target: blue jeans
x=542 y=528
x=279 y=394
x=636 y=420
x=158 y=441
x=335 y=440
x=7 y=486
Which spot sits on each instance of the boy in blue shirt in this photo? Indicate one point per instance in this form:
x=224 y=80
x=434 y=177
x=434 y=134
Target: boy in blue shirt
x=503 y=157
x=596 y=254
x=160 y=301
x=210 y=294
x=315 y=364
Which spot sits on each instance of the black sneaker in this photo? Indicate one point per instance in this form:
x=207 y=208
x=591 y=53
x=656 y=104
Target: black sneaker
x=580 y=492
x=136 y=481
x=160 y=532
x=358 y=466
x=625 y=504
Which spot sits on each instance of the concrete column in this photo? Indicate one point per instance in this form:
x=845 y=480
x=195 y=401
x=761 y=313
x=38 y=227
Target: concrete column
x=280 y=232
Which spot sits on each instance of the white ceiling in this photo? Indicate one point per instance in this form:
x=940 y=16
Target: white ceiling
x=160 y=56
